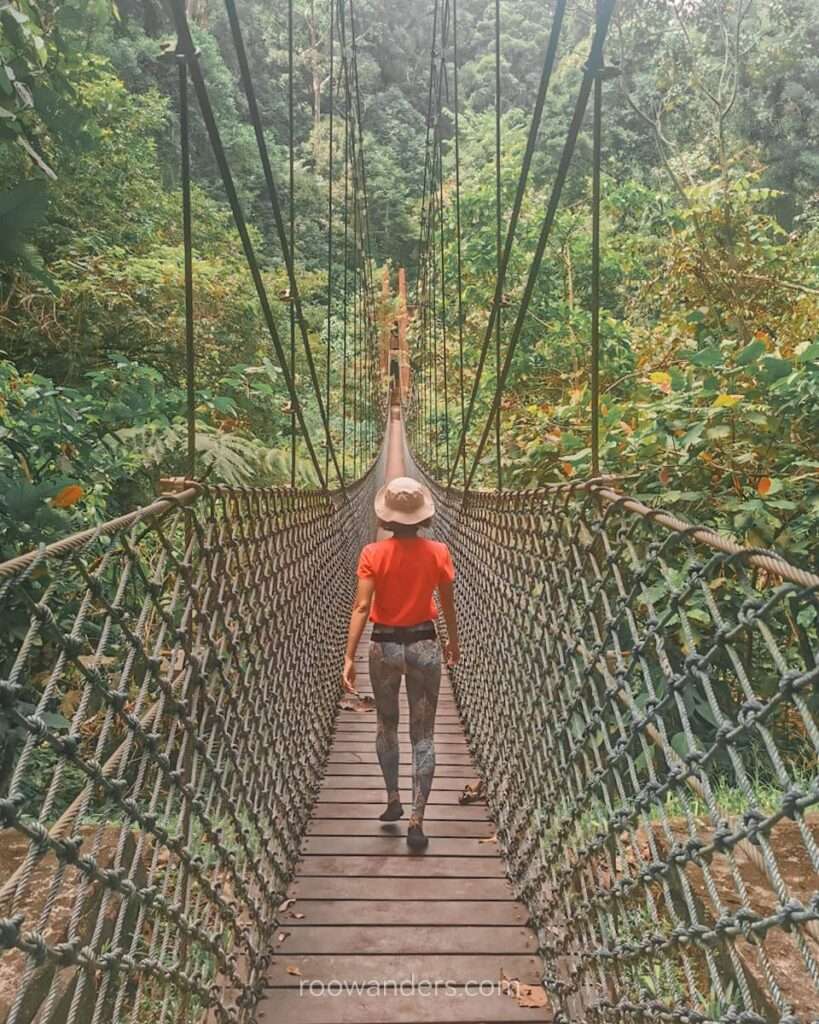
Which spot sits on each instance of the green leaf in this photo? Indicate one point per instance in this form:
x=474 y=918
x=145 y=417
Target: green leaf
x=710 y=356
x=655 y=593
x=692 y=435
x=750 y=353
x=577 y=456
x=775 y=368
x=810 y=353
x=54 y=721
x=22 y=208
x=680 y=744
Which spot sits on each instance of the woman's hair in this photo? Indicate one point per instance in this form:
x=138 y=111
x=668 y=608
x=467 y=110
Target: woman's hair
x=404 y=530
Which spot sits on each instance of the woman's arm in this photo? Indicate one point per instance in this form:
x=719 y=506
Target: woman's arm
x=358 y=620
x=446 y=591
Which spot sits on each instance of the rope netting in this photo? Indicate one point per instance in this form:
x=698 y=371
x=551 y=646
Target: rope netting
x=170 y=682
x=641 y=700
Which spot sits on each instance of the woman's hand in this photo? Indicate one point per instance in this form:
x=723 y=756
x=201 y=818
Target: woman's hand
x=452 y=653
x=348 y=675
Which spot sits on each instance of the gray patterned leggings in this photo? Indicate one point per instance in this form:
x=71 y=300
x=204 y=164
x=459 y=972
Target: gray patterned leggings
x=420 y=662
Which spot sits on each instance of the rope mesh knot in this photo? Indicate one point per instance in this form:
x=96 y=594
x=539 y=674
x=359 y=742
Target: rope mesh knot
x=172 y=709
x=636 y=697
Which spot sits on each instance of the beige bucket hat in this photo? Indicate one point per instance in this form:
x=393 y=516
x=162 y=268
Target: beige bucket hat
x=404 y=500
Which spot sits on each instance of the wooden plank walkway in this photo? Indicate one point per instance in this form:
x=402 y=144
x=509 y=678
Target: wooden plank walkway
x=378 y=934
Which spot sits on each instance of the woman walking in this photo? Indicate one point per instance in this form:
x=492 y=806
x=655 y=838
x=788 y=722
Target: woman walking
x=397 y=579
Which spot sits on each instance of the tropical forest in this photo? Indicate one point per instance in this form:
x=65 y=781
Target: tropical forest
x=557 y=259
x=709 y=298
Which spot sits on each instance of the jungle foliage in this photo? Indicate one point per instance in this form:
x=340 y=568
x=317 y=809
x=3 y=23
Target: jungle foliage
x=710 y=244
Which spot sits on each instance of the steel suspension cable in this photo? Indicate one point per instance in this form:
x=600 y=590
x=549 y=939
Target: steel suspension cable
x=595 y=273
x=206 y=109
x=345 y=288
x=498 y=254
x=445 y=353
x=253 y=111
x=355 y=333
x=361 y=222
x=427 y=285
x=549 y=60
x=291 y=204
x=427 y=254
x=459 y=245
x=435 y=318
x=187 y=237
x=330 y=226
x=591 y=70
x=366 y=246
x=422 y=222
x=444 y=345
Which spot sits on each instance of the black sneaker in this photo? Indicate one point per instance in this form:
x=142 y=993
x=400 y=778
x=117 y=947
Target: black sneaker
x=416 y=840
x=393 y=812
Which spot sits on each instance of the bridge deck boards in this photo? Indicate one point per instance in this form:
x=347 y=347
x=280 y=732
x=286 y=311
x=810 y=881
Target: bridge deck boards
x=387 y=936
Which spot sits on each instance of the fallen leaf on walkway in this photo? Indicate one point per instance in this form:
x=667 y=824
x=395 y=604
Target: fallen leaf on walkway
x=282 y=936
x=298 y=917
x=530 y=997
x=473 y=791
x=293 y=970
x=287 y=904
x=489 y=839
x=361 y=703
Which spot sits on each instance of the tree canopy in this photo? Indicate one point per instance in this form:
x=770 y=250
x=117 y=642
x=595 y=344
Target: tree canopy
x=710 y=357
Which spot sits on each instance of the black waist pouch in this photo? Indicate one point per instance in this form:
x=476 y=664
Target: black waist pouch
x=404 y=634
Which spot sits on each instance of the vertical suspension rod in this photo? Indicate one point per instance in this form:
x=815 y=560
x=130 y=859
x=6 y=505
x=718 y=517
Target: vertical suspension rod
x=291 y=203
x=458 y=219
x=498 y=256
x=595 y=274
x=187 y=237
x=330 y=236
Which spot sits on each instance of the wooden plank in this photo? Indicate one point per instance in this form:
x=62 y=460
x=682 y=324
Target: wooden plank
x=290 y=1005
x=368 y=912
x=393 y=845
x=446 y=702
x=369 y=811
x=368 y=724
x=446 y=705
x=418 y=912
x=365 y=746
x=459 y=970
x=367 y=757
x=329 y=794
x=366 y=827
x=366 y=750
x=394 y=889
x=451 y=741
x=403 y=866
x=405 y=938
x=442 y=771
x=368 y=729
x=442 y=783
x=447 y=714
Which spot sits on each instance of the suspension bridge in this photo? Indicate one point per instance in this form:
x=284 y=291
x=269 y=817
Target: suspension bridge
x=203 y=846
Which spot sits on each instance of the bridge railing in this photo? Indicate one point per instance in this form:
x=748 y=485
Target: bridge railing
x=642 y=697
x=168 y=685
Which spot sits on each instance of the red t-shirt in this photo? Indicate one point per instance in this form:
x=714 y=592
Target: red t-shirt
x=406 y=572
